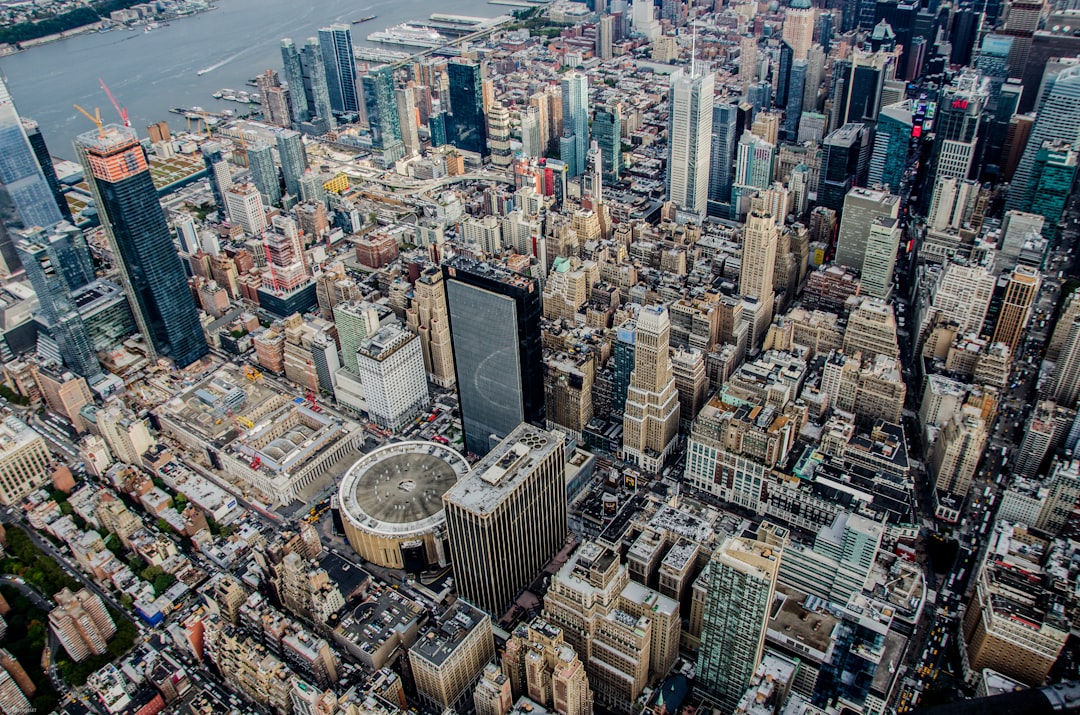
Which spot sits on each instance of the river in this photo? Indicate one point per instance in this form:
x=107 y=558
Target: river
x=149 y=72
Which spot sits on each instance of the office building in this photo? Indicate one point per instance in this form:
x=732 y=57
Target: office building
x=1065 y=384
x=450 y=655
x=468 y=126
x=796 y=91
x=514 y=498
x=760 y=238
x=57 y=263
x=862 y=90
x=575 y=113
x=956 y=131
x=25 y=193
x=294 y=76
x=264 y=172
x=844 y=164
x=339 y=63
x=861 y=207
x=1021 y=289
x=957 y=451
x=24 y=461
x=837 y=565
x=1058 y=117
x=605 y=31
x=274 y=98
x=798 y=32
x=355 y=321
x=888 y=159
x=690 y=121
x=871 y=330
x=81 y=624
x=243 y=205
x=293 y=156
x=391 y=366
x=382 y=108
x=754 y=163
x=119 y=179
x=722 y=158
x=1052 y=178
x=532 y=143
x=493 y=695
x=879 y=257
x=739 y=596
x=1015 y=623
x=44 y=160
x=427 y=317
x=495 y=331
x=962 y=295
x=218 y=172
x=539 y=664
x=498 y=118
x=607 y=133
x=651 y=412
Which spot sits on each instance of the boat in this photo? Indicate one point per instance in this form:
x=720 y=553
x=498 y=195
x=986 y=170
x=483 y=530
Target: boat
x=366 y=18
x=217 y=95
x=150 y=27
x=228 y=112
x=408 y=35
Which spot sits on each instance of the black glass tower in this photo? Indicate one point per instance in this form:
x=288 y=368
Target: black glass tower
x=498 y=355
x=119 y=178
x=44 y=160
x=469 y=126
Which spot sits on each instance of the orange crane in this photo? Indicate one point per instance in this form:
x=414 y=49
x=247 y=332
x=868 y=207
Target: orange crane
x=122 y=111
x=95 y=118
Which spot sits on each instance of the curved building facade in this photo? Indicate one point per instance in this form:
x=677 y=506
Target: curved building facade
x=391 y=503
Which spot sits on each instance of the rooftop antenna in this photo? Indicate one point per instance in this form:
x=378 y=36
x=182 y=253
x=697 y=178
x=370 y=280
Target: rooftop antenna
x=693 y=38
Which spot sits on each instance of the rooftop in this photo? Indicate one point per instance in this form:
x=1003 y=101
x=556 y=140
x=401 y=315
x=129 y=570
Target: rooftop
x=498 y=474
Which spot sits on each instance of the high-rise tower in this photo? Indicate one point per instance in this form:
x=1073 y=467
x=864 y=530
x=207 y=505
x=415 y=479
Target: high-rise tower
x=119 y=179
x=1058 y=117
x=507 y=517
x=339 y=64
x=1020 y=293
x=495 y=330
x=651 y=413
x=294 y=76
x=468 y=130
x=575 y=106
x=381 y=106
x=690 y=116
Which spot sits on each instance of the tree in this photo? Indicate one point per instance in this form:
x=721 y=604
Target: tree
x=163 y=582
x=126 y=600
x=151 y=572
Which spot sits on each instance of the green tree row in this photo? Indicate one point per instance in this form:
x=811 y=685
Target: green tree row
x=63 y=22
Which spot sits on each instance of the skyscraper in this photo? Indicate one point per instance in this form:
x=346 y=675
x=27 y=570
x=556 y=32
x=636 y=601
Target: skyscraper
x=218 y=172
x=845 y=155
x=381 y=106
x=1052 y=179
x=275 y=99
x=339 y=63
x=468 y=127
x=44 y=159
x=532 y=143
x=575 y=107
x=1020 y=293
x=495 y=330
x=888 y=161
x=315 y=83
x=651 y=412
x=956 y=131
x=799 y=27
x=27 y=199
x=1065 y=388
x=293 y=156
x=264 y=172
x=861 y=207
x=760 y=238
x=57 y=263
x=753 y=171
x=1058 y=117
x=119 y=179
x=879 y=257
x=294 y=76
x=739 y=596
x=722 y=158
x=607 y=129
x=690 y=119
x=862 y=93
x=407 y=121
x=507 y=517
x=796 y=92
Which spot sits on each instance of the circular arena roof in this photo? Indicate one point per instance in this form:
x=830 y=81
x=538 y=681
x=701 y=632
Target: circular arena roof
x=396 y=490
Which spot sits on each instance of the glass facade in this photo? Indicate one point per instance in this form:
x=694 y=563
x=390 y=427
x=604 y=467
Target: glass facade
x=722 y=158
x=293 y=156
x=381 y=106
x=340 y=67
x=132 y=215
x=575 y=103
x=1058 y=117
x=264 y=173
x=495 y=333
x=44 y=159
x=294 y=75
x=607 y=128
x=468 y=125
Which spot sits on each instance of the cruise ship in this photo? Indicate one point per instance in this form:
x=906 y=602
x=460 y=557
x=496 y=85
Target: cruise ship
x=408 y=35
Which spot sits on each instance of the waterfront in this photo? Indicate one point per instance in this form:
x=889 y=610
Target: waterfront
x=149 y=72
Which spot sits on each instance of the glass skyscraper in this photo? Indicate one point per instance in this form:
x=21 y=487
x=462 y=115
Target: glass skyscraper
x=119 y=178
x=44 y=159
x=891 y=141
x=722 y=158
x=381 y=106
x=315 y=83
x=1058 y=117
x=340 y=66
x=498 y=354
x=293 y=156
x=1052 y=179
x=607 y=128
x=294 y=75
x=27 y=199
x=575 y=107
x=264 y=173
x=468 y=130
x=57 y=264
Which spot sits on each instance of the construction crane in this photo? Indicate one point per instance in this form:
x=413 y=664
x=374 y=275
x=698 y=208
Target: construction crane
x=122 y=111
x=95 y=118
